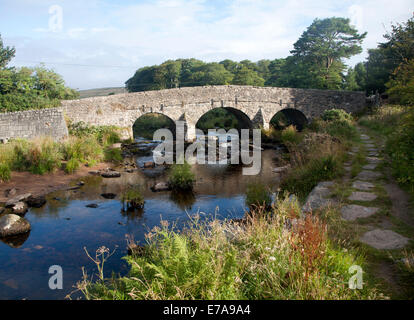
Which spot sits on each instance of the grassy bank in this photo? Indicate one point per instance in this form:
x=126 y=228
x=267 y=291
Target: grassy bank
x=85 y=145
x=259 y=259
x=318 y=152
x=395 y=125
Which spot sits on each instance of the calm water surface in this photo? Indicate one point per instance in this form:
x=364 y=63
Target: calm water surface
x=64 y=226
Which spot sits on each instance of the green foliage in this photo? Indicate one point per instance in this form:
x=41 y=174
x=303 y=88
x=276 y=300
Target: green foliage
x=5 y=172
x=146 y=125
x=258 y=195
x=6 y=54
x=401 y=85
x=400 y=148
x=31 y=88
x=303 y=179
x=290 y=135
x=181 y=177
x=113 y=155
x=218 y=118
x=105 y=135
x=260 y=261
x=337 y=115
x=133 y=198
x=72 y=165
x=384 y=62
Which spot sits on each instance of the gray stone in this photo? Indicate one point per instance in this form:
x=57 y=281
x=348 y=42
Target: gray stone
x=108 y=195
x=373 y=154
x=368 y=175
x=317 y=198
x=160 y=186
x=370 y=166
x=22 y=197
x=111 y=174
x=10 y=192
x=362 y=196
x=36 y=202
x=374 y=160
x=364 y=137
x=20 y=208
x=362 y=185
x=92 y=205
x=282 y=169
x=11 y=225
x=353 y=212
x=384 y=239
x=369 y=145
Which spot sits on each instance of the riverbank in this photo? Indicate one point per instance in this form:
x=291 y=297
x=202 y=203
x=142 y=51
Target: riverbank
x=40 y=185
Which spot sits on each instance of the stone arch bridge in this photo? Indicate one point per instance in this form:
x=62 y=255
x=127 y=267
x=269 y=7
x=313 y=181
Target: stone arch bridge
x=255 y=106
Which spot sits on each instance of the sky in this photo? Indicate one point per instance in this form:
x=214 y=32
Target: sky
x=101 y=43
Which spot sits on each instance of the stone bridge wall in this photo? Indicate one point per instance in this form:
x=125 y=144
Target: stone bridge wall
x=259 y=104
x=33 y=123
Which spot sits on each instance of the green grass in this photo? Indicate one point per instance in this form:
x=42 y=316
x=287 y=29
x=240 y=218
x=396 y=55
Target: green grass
x=113 y=155
x=5 y=172
x=261 y=260
x=258 y=195
x=132 y=198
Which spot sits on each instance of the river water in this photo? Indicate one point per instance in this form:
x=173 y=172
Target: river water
x=64 y=226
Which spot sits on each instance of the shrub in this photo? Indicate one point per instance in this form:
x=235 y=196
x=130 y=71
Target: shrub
x=181 y=177
x=133 y=199
x=258 y=195
x=5 y=172
x=337 y=115
x=290 y=135
x=72 y=165
x=113 y=155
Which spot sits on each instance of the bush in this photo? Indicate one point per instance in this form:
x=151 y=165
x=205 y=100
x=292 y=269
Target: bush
x=113 y=155
x=258 y=195
x=133 y=199
x=290 y=135
x=72 y=165
x=337 y=115
x=106 y=135
x=5 y=172
x=181 y=177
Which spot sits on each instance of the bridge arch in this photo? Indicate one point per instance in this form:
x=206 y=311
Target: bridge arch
x=147 y=123
x=287 y=117
x=231 y=114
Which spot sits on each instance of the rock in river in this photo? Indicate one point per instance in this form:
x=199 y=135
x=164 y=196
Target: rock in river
x=20 y=208
x=22 y=197
x=11 y=225
x=36 y=202
x=160 y=186
x=108 y=195
x=111 y=174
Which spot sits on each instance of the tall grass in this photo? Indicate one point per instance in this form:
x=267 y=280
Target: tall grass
x=42 y=155
x=181 y=177
x=260 y=259
x=258 y=195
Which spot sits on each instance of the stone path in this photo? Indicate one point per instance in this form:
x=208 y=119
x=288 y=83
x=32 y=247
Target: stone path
x=364 y=184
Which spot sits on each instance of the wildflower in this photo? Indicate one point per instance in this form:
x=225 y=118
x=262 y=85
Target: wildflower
x=272 y=258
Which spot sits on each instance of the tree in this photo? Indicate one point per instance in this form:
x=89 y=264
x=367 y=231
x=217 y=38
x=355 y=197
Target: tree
x=6 y=54
x=246 y=76
x=401 y=85
x=323 y=46
x=388 y=56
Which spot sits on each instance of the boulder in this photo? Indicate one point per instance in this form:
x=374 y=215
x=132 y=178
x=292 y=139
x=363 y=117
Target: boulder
x=20 y=208
x=108 y=195
x=111 y=174
x=92 y=205
x=161 y=186
x=12 y=225
x=36 y=202
x=22 y=197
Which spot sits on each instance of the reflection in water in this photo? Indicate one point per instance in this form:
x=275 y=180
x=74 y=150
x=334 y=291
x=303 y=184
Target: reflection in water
x=16 y=241
x=62 y=227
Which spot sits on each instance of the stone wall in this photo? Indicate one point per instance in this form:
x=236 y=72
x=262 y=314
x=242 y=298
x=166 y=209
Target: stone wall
x=33 y=123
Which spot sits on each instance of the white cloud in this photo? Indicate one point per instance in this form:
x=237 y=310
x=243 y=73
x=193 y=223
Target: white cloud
x=108 y=34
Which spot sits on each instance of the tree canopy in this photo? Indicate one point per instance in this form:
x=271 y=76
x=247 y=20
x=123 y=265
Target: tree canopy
x=29 y=88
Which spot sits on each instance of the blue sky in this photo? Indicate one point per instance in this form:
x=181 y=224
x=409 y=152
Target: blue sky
x=100 y=43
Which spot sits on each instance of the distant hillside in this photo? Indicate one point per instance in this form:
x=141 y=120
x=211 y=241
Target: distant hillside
x=100 y=92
